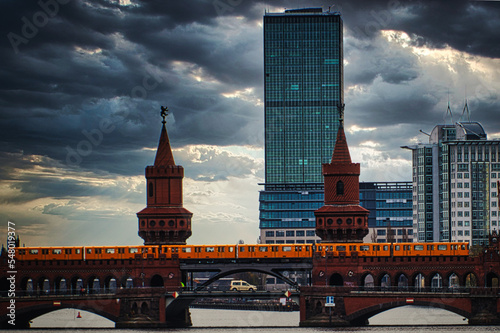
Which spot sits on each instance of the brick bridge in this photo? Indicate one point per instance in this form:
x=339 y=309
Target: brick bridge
x=137 y=293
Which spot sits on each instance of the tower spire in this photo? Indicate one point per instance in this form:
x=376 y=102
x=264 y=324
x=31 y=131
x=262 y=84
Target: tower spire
x=164 y=156
x=164 y=220
x=341 y=219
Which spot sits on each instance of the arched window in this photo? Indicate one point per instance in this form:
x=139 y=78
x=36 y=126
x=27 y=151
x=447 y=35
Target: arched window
x=340 y=187
x=151 y=190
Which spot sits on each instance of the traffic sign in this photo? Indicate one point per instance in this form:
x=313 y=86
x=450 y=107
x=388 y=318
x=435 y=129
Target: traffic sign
x=330 y=301
x=175 y=294
x=288 y=293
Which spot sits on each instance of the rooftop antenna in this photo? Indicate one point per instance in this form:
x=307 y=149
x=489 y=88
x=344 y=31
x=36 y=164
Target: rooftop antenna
x=448 y=110
x=424 y=133
x=466 y=109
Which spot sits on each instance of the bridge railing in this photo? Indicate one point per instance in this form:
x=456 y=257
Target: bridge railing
x=412 y=289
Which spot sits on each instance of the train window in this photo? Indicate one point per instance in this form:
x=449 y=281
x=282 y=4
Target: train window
x=341 y=248
x=307 y=248
x=186 y=249
x=418 y=247
x=262 y=248
x=364 y=248
x=386 y=247
x=78 y=251
x=45 y=251
x=331 y=248
x=430 y=247
x=98 y=251
x=221 y=249
x=242 y=249
x=397 y=247
x=56 y=251
x=153 y=250
x=121 y=250
x=442 y=247
x=133 y=250
x=320 y=248
x=197 y=249
x=176 y=250
x=251 y=249
x=34 y=251
x=287 y=248
x=209 y=249
x=352 y=247
x=231 y=249
x=89 y=251
x=110 y=251
x=67 y=251
x=165 y=249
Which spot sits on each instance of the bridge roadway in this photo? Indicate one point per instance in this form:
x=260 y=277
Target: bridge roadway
x=277 y=267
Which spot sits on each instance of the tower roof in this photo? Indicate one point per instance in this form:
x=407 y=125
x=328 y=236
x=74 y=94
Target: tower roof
x=341 y=151
x=164 y=156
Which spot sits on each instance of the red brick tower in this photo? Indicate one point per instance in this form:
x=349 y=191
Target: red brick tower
x=341 y=219
x=164 y=220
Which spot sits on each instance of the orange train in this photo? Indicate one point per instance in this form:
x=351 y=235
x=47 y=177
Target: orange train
x=243 y=251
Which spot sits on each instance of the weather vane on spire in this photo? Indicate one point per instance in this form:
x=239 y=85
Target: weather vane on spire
x=164 y=114
x=341 y=114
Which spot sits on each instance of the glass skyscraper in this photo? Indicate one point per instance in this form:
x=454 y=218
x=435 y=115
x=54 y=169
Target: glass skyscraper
x=303 y=74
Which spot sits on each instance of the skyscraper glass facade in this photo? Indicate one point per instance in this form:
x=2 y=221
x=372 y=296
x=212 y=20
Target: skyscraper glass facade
x=303 y=74
x=391 y=209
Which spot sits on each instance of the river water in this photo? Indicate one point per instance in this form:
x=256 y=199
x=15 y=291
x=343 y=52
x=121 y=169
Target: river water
x=402 y=320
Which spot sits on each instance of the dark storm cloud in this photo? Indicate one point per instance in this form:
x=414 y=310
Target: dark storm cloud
x=95 y=61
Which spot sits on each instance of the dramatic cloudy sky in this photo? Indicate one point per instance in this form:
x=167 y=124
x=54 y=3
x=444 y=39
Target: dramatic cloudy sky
x=82 y=83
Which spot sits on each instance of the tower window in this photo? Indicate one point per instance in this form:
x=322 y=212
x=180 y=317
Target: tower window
x=150 y=190
x=340 y=187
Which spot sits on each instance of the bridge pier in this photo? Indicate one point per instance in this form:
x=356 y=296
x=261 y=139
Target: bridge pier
x=315 y=313
x=484 y=311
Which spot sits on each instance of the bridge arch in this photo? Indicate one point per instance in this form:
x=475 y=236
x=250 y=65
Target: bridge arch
x=110 y=284
x=367 y=281
x=384 y=280
x=156 y=281
x=336 y=280
x=402 y=281
x=228 y=272
x=93 y=285
x=26 y=314
x=419 y=281
x=491 y=280
x=361 y=316
x=27 y=285
x=76 y=284
x=470 y=280
x=436 y=281
x=43 y=285
x=453 y=281
x=60 y=285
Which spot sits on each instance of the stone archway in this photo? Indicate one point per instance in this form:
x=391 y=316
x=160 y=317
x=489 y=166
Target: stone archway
x=491 y=280
x=156 y=281
x=368 y=282
x=336 y=280
x=402 y=282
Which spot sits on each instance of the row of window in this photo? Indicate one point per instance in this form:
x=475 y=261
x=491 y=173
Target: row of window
x=290 y=233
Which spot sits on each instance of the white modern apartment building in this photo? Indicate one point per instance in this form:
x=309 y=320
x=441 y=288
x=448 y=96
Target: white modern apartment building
x=456 y=184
